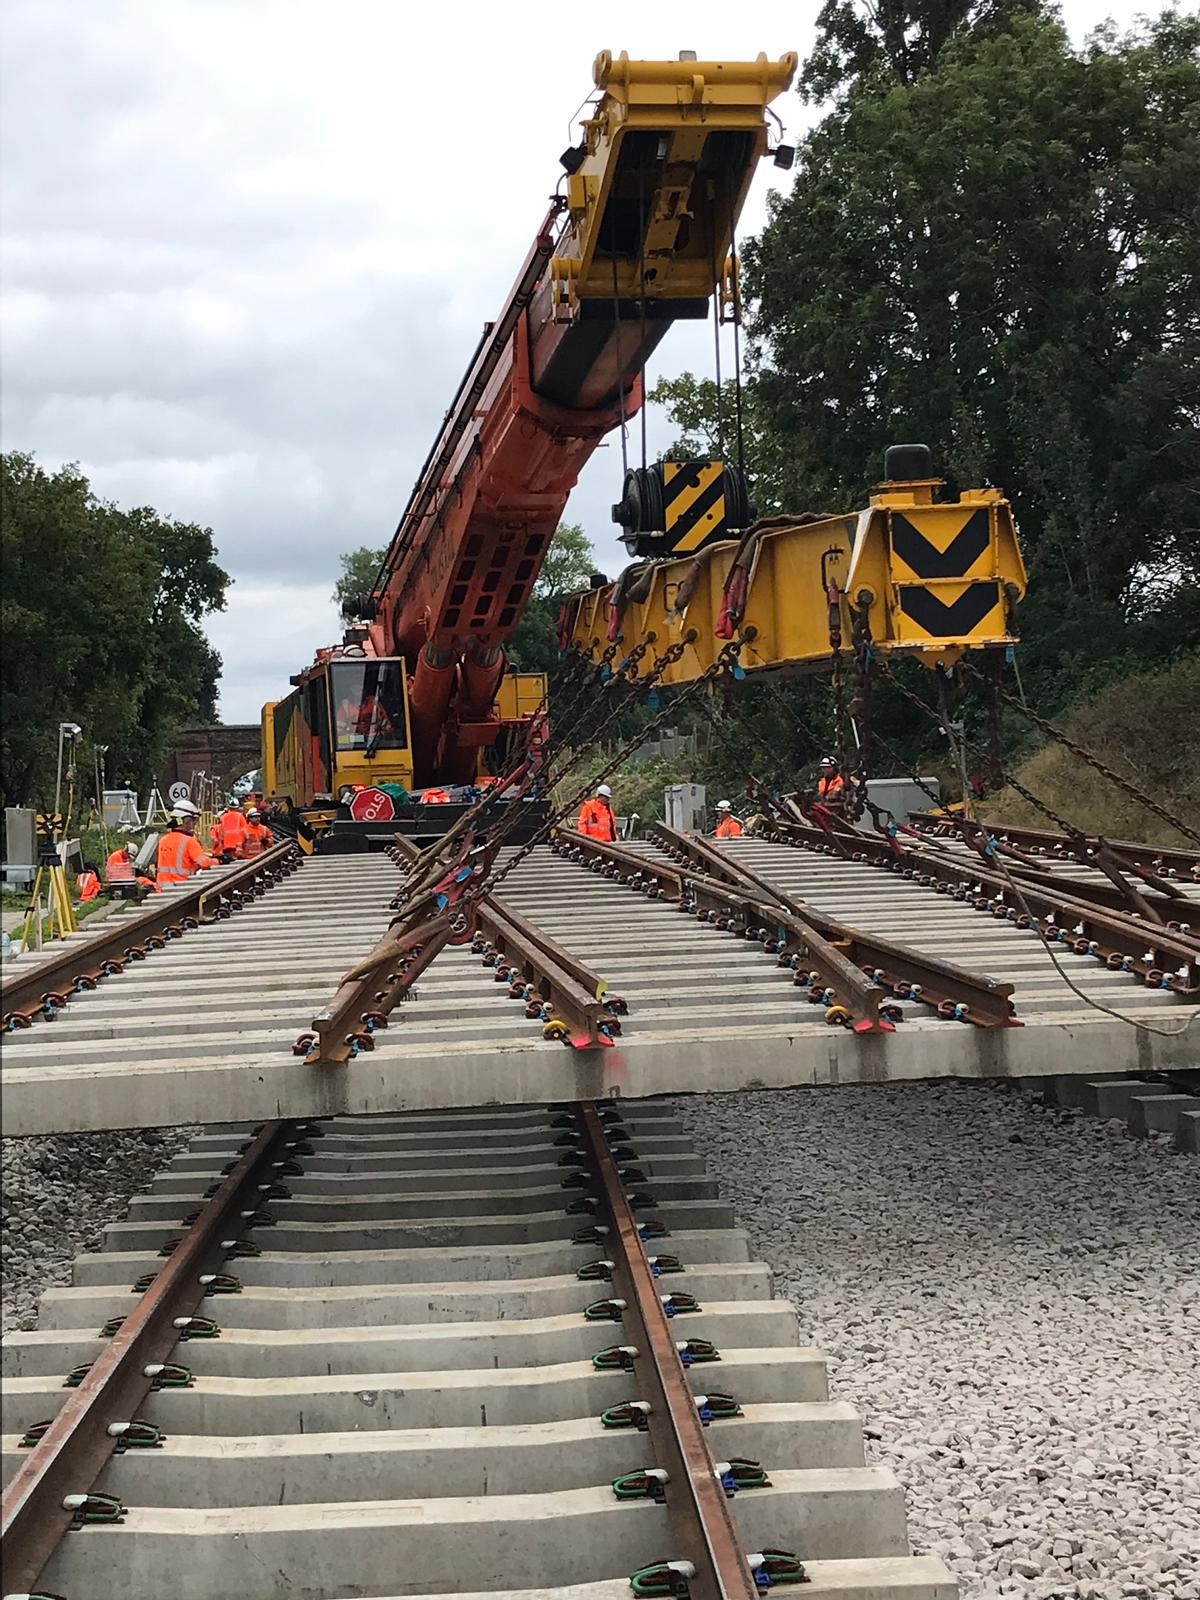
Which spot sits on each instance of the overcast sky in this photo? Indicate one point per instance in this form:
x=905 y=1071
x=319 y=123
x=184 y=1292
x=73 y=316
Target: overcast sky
x=248 y=246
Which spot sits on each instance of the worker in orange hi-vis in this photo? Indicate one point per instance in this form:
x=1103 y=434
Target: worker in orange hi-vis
x=728 y=827
x=119 y=869
x=121 y=874
x=435 y=797
x=597 y=819
x=180 y=853
x=87 y=883
x=258 y=835
x=229 y=832
x=831 y=785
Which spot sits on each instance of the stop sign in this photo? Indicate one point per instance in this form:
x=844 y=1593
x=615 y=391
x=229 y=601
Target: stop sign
x=372 y=805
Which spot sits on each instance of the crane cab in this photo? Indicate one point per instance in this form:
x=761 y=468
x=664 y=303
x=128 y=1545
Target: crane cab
x=345 y=730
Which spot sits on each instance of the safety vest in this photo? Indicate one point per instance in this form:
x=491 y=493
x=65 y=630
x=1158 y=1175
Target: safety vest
x=88 y=884
x=597 y=821
x=229 y=832
x=828 y=787
x=729 y=828
x=436 y=797
x=179 y=855
x=257 y=839
x=119 y=867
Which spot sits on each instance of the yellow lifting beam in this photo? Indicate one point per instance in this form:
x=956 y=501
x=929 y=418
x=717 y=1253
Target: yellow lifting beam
x=934 y=578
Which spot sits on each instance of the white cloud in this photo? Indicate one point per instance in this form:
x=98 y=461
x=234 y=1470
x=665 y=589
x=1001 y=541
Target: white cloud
x=248 y=249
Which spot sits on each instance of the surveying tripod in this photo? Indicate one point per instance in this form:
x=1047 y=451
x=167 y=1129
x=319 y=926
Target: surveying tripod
x=53 y=875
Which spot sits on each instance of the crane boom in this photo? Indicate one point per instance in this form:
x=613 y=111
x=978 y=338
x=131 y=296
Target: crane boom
x=640 y=237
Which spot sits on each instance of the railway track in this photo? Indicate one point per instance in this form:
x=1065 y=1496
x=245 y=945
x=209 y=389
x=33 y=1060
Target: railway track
x=521 y=1350
x=707 y=1007
x=395 y=1355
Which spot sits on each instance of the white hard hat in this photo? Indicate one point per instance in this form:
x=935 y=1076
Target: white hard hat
x=184 y=808
x=723 y=805
x=131 y=846
x=828 y=761
x=234 y=804
x=253 y=811
x=605 y=791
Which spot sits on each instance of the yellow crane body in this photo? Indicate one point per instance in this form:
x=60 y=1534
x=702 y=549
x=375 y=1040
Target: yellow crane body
x=930 y=579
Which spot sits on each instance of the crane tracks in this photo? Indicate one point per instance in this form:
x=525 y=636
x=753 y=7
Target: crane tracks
x=405 y=1398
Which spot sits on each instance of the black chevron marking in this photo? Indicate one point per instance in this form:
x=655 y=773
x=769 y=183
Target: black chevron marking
x=923 y=558
x=942 y=621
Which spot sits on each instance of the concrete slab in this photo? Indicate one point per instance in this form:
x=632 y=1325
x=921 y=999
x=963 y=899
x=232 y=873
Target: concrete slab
x=1157 y=1112
x=568 y=1537
x=708 y=1012
x=397 y=1076
x=293 y=1469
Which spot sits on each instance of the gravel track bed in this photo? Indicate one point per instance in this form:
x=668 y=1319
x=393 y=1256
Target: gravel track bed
x=1009 y=1294
x=59 y=1193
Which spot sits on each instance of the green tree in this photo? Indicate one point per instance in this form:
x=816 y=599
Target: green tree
x=894 y=40
x=360 y=568
x=101 y=614
x=570 y=562
x=999 y=255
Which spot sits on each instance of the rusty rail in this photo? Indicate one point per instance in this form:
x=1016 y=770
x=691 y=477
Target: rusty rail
x=552 y=979
x=74 y=1449
x=704 y=1534
x=929 y=860
x=1157 y=860
x=954 y=991
x=1166 y=957
x=558 y=989
x=46 y=987
x=575 y=996
x=855 y=976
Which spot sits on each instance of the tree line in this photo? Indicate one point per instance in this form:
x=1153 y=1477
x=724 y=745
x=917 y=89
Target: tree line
x=100 y=614
x=992 y=245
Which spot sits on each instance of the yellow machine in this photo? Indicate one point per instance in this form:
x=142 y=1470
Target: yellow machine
x=914 y=574
x=640 y=234
x=345 y=728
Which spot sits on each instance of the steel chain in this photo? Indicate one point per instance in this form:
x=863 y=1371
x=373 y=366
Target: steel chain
x=727 y=660
x=1093 y=761
x=969 y=745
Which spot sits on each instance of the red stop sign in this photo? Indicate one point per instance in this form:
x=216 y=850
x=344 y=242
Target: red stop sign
x=372 y=805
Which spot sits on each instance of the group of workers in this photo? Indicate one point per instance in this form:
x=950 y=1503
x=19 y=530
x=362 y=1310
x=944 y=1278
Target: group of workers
x=238 y=834
x=598 y=820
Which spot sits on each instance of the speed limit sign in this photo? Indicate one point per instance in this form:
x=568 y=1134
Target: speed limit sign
x=179 y=791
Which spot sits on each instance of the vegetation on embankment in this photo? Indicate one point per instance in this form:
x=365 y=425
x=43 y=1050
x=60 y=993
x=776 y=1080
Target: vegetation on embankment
x=1147 y=729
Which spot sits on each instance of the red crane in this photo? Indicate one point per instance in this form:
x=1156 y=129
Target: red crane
x=638 y=235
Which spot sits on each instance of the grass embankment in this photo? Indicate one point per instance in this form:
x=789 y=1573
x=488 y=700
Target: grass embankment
x=1147 y=729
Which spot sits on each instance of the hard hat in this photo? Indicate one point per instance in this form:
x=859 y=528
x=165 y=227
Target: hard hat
x=828 y=761
x=234 y=804
x=131 y=847
x=723 y=805
x=184 y=808
x=605 y=791
x=253 y=811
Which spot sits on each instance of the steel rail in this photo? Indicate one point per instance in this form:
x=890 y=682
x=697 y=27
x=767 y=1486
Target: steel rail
x=46 y=987
x=573 y=992
x=930 y=859
x=369 y=993
x=1164 y=957
x=69 y=1457
x=702 y=1525
x=953 y=990
x=1158 y=860
x=740 y=911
